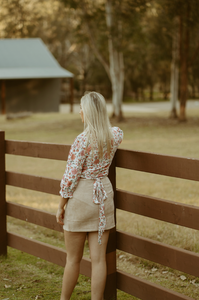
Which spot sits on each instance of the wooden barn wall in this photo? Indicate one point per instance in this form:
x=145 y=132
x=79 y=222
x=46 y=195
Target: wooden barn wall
x=32 y=95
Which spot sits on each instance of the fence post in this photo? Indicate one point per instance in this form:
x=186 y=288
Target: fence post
x=110 y=292
x=3 y=238
x=71 y=94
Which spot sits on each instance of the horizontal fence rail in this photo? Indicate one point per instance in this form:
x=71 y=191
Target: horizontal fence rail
x=33 y=182
x=173 y=166
x=39 y=150
x=32 y=215
x=164 y=210
x=144 y=289
x=43 y=218
x=159 y=209
x=48 y=252
x=173 y=257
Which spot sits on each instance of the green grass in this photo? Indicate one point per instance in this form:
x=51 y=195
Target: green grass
x=30 y=277
x=25 y=277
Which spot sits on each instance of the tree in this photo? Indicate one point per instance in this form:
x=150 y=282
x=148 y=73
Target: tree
x=155 y=46
x=116 y=59
x=187 y=12
x=174 y=69
x=106 y=25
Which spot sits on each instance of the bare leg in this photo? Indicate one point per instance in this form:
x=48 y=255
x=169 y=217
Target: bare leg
x=74 y=242
x=98 y=261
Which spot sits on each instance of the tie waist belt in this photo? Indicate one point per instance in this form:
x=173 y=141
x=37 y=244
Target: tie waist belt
x=99 y=196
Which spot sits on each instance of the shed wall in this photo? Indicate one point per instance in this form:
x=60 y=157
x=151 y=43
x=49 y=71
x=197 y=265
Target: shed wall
x=32 y=95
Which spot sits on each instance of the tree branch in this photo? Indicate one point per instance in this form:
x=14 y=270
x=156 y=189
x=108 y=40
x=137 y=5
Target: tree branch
x=96 y=51
x=92 y=40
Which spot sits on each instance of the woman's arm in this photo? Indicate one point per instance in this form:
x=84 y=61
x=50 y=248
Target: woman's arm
x=72 y=175
x=74 y=166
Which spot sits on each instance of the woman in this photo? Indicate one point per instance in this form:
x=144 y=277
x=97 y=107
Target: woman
x=87 y=195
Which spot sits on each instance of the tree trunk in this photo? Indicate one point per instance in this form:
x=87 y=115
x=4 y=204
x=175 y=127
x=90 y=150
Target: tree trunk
x=142 y=94
x=137 y=95
x=3 y=97
x=151 y=92
x=116 y=67
x=184 y=66
x=165 y=93
x=174 y=71
x=193 y=91
x=117 y=80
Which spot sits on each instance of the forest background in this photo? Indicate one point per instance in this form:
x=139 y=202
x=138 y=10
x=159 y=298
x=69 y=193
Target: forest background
x=128 y=50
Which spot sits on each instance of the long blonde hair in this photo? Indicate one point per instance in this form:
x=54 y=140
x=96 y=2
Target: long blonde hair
x=96 y=121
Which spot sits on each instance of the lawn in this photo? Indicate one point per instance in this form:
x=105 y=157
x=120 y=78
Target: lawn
x=26 y=277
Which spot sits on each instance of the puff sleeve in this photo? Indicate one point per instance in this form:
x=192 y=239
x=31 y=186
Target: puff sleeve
x=76 y=158
x=118 y=136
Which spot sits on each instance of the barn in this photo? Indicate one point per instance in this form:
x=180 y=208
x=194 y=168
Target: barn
x=30 y=77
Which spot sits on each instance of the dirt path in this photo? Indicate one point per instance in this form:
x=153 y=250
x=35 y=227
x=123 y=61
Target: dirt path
x=149 y=107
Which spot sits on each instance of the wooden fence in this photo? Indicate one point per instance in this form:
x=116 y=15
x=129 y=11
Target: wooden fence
x=168 y=211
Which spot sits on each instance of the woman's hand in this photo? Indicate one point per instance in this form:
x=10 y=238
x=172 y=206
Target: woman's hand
x=60 y=216
x=61 y=211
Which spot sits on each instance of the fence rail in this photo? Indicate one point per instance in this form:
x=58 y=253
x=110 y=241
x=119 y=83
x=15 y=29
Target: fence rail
x=156 y=208
x=164 y=210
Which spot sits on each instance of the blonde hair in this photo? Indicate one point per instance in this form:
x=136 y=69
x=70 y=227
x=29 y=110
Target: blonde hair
x=96 y=122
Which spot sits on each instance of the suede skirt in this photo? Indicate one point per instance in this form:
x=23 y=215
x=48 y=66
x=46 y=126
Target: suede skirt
x=81 y=214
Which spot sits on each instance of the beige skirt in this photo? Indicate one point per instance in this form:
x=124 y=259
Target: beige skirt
x=81 y=214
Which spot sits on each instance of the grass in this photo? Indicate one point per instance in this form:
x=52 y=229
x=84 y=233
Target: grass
x=24 y=277
x=31 y=278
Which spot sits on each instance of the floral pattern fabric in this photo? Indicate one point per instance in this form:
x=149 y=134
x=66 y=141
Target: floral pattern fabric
x=83 y=162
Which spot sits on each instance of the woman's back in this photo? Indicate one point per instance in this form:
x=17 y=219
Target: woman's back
x=84 y=162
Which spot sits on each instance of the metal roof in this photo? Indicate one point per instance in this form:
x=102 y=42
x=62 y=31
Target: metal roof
x=28 y=58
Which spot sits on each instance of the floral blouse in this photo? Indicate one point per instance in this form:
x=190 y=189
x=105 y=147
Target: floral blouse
x=84 y=163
